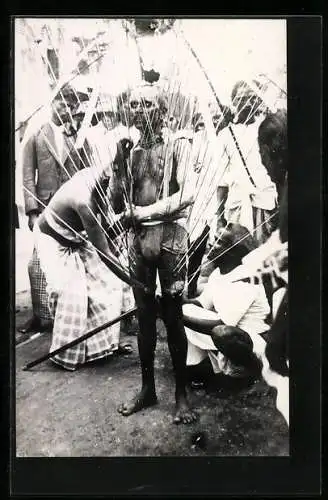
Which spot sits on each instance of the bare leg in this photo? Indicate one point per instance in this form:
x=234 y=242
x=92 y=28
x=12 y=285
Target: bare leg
x=146 y=344
x=177 y=342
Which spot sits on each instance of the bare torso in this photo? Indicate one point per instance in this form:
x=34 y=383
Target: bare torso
x=148 y=172
x=62 y=213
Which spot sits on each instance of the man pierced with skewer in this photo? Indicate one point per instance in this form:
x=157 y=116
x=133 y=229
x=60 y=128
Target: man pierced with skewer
x=159 y=193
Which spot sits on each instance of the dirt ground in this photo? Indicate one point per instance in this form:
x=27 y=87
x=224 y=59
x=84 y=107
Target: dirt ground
x=60 y=414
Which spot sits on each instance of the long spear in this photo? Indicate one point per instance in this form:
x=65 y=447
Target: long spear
x=86 y=336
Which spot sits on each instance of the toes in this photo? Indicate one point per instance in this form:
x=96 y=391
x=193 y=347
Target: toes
x=187 y=418
x=122 y=409
x=194 y=417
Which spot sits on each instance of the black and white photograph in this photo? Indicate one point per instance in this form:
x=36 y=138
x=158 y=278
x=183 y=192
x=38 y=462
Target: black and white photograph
x=151 y=237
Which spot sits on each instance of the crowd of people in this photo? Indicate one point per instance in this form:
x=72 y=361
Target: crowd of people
x=193 y=221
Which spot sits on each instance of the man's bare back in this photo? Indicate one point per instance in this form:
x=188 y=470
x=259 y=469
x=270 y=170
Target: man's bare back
x=68 y=207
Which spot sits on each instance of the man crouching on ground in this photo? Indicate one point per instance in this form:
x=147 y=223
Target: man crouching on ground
x=162 y=186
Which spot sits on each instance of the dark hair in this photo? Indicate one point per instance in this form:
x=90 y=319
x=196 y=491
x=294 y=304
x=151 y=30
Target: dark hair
x=235 y=242
x=242 y=84
x=68 y=94
x=272 y=138
x=273 y=131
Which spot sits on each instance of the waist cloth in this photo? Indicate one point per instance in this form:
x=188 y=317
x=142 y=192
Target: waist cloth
x=83 y=294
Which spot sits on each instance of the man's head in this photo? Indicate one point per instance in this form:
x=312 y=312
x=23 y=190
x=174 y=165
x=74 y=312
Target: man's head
x=63 y=104
x=246 y=101
x=146 y=107
x=221 y=117
x=232 y=244
x=104 y=112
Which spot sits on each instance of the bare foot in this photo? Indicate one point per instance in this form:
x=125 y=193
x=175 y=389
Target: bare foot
x=144 y=399
x=184 y=414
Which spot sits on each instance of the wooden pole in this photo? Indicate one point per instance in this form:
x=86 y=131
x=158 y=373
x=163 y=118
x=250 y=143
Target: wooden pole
x=86 y=336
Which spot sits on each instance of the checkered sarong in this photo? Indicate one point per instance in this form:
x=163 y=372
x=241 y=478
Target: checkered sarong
x=85 y=295
x=38 y=285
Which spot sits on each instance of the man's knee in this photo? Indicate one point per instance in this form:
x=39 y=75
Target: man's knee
x=171 y=305
x=146 y=304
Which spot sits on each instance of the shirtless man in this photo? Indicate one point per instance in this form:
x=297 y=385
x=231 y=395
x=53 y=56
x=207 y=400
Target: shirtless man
x=82 y=274
x=160 y=196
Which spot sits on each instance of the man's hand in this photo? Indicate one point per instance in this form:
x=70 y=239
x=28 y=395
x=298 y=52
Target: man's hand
x=32 y=217
x=126 y=218
x=138 y=214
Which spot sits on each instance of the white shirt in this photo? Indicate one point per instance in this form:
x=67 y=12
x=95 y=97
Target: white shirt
x=237 y=304
x=58 y=131
x=263 y=194
x=205 y=166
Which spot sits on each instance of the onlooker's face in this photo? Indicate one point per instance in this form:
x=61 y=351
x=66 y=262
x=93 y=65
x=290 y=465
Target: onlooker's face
x=107 y=120
x=78 y=119
x=272 y=142
x=248 y=107
x=62 y=109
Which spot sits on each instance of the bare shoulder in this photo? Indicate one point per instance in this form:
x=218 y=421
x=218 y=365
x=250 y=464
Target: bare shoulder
x=80 y=187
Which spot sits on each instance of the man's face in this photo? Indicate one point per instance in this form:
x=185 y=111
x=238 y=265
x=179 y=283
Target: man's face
x=107 y=119
x=144 y=111
x=247 y=107
x=61 y=109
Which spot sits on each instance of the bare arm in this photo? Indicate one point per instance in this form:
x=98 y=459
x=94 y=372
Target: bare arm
x=94 y=231
x=98 y=239
x=163 y=208
x=199 y=319
x=174 y=204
